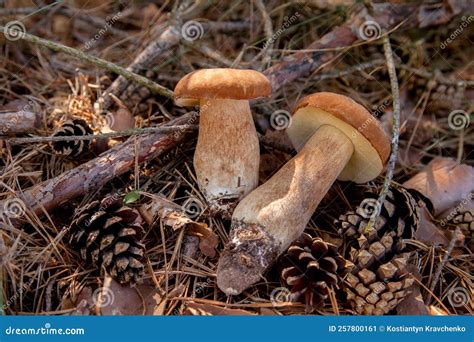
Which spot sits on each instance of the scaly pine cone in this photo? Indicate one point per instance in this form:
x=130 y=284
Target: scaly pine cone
x=399 y=218
x=73 y=148
x=465 y=220
x=311 y=267
x=380 y=290
x=376 y=252
x=105 y=234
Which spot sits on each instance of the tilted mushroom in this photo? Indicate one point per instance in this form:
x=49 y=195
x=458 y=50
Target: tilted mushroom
x=227 y=154
x=336 y=138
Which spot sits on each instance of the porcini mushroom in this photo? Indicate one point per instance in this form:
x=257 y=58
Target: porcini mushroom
x=336 y=138
x=227 y=154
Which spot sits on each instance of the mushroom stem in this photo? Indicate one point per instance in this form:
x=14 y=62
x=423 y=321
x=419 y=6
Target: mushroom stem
x=275 y=214
x=227 y=154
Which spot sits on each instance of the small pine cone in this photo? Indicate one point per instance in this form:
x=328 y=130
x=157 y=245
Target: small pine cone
x=106 y=235
x=73 y=148
x=465 y=220
x=311 y=267
x=378 y=291
x=399 y=217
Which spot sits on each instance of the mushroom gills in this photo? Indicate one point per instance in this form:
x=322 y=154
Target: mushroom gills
x=362 y=166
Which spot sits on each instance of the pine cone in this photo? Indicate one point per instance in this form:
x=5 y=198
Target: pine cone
x=311 y=267
x=73 y=148
x=465 y=220
x=106 y=236
x=379 y=280
x=379 y=291
x=399 y=218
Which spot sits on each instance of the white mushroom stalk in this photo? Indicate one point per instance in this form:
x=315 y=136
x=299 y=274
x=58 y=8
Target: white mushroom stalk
x=325 y=130
x=227 y=154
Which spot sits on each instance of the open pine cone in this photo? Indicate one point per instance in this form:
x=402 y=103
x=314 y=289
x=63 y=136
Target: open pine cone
x=399 y=215
x=73 y=148
x=379 y=290
x=311 y=268
x=106 y=235
x=377 y=252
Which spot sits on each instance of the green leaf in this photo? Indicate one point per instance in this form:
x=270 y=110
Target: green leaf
x=131 y=197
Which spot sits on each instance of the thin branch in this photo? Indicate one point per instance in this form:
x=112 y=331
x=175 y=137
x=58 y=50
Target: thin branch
x=102 y=63
x=437 y=274
x=125 y=133
x=395 y=130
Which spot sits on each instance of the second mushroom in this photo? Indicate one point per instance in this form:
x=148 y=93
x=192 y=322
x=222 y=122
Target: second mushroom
x=336 y=138
x=227 y=154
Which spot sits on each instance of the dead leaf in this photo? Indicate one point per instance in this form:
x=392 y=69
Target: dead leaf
x=169 y=212
x=208 y=239
x=174 y=217
x=116 y=300
x=413 y=303
x=445 y=182
x=200 y=309
x=122 y=120
x=428 y=232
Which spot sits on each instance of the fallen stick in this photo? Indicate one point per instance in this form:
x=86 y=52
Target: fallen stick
x=95 y=173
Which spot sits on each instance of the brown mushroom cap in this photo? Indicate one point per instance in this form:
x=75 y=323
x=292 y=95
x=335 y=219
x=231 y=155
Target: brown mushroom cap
x=218 y=83
x=371 y=144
